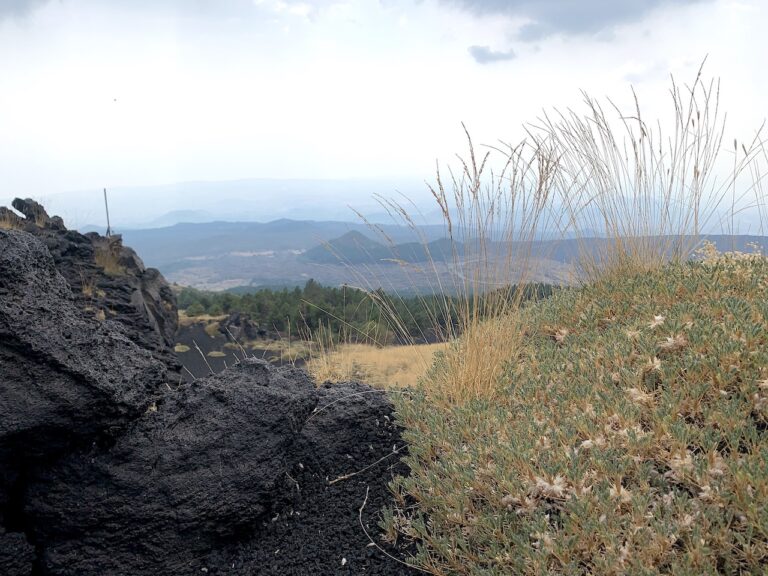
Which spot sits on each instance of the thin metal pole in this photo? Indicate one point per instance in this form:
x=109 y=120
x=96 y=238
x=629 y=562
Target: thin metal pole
x=106 y=205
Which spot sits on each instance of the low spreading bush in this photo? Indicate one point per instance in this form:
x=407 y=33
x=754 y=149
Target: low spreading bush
x=628 y=436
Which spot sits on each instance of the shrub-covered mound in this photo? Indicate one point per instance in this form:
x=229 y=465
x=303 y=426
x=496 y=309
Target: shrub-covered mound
x=628 y=436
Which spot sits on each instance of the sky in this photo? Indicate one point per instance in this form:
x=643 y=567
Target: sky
x=148 y=93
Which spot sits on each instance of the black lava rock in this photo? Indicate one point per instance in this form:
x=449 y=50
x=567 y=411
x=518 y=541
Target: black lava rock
x=16 y=554
x=348 y=451
x=202 y=467
x=65 y=380
x=138 y=297
x=108 y=467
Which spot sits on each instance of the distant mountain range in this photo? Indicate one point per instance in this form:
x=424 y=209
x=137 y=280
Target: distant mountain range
x=247 y=255
x=161 y=247
x=356 y=248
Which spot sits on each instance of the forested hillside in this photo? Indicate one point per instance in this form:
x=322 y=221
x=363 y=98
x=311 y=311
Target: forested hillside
x=346 y=313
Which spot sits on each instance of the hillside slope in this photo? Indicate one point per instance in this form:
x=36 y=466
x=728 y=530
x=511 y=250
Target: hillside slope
x=629 y=434
x=356 y=248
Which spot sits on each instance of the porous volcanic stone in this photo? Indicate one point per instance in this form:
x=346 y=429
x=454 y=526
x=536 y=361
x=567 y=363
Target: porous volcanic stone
x=16 y=554
x=65 y=380
x=201 y=468
x=109 y=467
x=348 y=449
x=138 y=297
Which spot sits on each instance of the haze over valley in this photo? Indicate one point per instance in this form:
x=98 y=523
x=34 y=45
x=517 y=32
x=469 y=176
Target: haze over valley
x=286 y=253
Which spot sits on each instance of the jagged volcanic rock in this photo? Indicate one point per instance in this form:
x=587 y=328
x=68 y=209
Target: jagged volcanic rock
x=65 y=379
x=107 y=279
x=107 y=467
x=239 y=327
x=349 y=448
x=16 y=554
x=61 y=369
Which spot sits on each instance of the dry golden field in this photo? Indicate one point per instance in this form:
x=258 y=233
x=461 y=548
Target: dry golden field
x=391 y=366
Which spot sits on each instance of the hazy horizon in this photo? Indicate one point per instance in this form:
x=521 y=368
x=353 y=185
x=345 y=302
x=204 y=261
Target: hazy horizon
x=247 y=200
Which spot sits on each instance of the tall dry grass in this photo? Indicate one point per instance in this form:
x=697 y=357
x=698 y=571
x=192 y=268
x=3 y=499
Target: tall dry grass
x=758 y=171
x=602 y=441
x=107 y=257
x=493 y=211
x=651 y=189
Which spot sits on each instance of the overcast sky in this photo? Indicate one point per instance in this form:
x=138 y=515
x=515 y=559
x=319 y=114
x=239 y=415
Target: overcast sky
x=115 y=93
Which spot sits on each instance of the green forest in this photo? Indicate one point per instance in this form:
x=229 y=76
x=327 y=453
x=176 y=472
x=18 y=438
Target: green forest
x=348 y=313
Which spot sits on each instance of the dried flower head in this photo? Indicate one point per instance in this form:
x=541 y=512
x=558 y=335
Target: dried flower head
x=639 y=397
x=680 y=465
x=560 y=335
x=653 y=365
x=622 y=494
x=707 y=493
x=543 y=541
x=552 y=487
x=716 y=466
x=673 y=344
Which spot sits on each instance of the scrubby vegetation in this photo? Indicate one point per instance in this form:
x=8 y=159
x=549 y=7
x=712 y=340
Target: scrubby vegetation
x=618 y=426
x=107 y=257
x=629 y=437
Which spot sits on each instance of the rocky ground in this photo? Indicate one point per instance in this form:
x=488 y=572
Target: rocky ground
x=108 y=465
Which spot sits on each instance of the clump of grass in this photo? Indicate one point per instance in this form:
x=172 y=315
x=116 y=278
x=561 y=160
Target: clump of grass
x=629 y=437
x=493 y=211
x=186 y=320
x=292 y=351
x=88 y=287
x=650 y=190
x=213 y=329
x=108 y=259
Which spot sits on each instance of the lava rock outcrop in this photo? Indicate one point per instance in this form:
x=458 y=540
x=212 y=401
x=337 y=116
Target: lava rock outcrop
x=347 y=452
x=107 y=279
x=109 y=466
x=16 y=554
x=66 y=380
